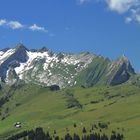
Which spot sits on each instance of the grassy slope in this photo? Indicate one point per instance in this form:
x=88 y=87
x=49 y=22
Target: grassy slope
x=118 y=105
x=95 y=73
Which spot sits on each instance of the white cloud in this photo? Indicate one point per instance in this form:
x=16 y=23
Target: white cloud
x=138 y=18
x=15 y=25
x=83 y=1
x=128 y=19
x=11 y=24
x=2 y=22
x=35 y=27
x=131 y=8
x=135 y=16
x=122 y=6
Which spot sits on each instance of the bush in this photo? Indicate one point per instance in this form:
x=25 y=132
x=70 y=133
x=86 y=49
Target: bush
x=102 y=125
x=54 y=88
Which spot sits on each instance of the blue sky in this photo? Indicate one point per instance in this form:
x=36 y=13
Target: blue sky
x=107 y=27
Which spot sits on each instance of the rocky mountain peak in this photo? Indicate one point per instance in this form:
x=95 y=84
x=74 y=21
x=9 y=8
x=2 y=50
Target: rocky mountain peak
x=43 y=49
x=123 y=70
x=21 y=47
x=123 y=59
x=20 y=53
x=126 y=63
x=43 y=66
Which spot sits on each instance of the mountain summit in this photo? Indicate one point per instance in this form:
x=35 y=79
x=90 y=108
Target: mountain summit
x=47 y=68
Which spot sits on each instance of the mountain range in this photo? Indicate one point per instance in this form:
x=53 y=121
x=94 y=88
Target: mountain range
x=43 y=67
x=39 y=88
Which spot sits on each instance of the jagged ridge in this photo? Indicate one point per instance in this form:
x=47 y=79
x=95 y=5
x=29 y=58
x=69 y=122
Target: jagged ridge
x=47 y=68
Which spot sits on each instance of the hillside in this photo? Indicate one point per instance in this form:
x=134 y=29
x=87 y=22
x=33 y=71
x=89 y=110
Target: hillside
x=35 y=106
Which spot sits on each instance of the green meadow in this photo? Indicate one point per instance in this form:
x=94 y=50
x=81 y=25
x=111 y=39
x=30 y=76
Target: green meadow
x=36 y=106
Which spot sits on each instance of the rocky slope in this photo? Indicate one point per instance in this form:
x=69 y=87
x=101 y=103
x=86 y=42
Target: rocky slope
x=47 y=68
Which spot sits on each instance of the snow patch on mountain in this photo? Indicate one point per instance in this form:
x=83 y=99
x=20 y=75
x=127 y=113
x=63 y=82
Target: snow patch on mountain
x=32 y=56
x=1 y=52
x=47 y=68
x=5 y=55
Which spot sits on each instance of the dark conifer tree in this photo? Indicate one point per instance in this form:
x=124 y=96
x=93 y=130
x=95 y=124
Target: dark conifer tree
x=39 y=134
x=91 y=137
x=98 y=136
x=76 y=137
x=84 y=137
x=54 y=131
x=31 y=135
x=105 y=137
x=24 y=138
x=74 y=125
x=92 y=128
x=47 y=136
x=56 y=138
x=119 y=137
x=68 y=137
x=113 y=137
x=84 y=130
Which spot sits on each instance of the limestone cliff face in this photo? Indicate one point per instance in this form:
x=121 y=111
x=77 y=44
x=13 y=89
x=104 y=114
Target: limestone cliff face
x=47 y=68
x=17 y=56
x=123 y=73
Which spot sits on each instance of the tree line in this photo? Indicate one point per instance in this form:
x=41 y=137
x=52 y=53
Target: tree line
x=39 y=134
